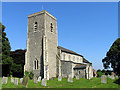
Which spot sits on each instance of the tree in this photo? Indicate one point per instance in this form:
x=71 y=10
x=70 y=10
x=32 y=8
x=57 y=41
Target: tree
x=5 y=50
x=99 y=73
x=19 y=62
x=113 y=57
x=6 y=59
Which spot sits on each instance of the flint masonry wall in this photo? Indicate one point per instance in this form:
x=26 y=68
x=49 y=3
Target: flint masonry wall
x=35 y=48
x=66 y=68
x=35 y=44
x=52 y=43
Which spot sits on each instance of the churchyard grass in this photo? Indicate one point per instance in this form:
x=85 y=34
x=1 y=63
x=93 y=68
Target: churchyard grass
x=81 y=83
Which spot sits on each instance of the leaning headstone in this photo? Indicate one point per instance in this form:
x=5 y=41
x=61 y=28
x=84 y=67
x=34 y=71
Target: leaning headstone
x=16 y=81
x=39 y=78
x=4 y=80
x=103 y=79
x=21 y=79
x=44 y=82
x=25 y=81
x=70 y=79
x=35 y=80
x=59 y=78
x=77 y=77
x=12 y=80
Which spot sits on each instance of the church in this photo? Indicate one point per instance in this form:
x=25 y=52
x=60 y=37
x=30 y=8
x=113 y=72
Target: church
x=44 y=57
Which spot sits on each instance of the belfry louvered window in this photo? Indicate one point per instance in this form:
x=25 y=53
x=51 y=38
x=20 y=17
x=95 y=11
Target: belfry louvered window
x=35 y=26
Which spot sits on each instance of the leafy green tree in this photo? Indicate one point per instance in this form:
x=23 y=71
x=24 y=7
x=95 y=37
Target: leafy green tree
x=5 y=48
x=6 y=59
x=113 y=57
x=18 y=59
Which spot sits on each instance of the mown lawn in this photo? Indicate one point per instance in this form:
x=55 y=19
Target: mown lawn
x=81 y=83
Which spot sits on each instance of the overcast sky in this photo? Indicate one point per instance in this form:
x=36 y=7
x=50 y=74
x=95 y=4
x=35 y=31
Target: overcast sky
x=86 y=28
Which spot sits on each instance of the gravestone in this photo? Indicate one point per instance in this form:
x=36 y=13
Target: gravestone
x=4 y=80
x=112 y=77
x=44 y=82
x=59 y=78
x=21 y=79
x=12 y=80
x=77 y=77
x=70 y=79
x=39 y=78
x=25 y=81
x=116 y=76
x=103 y=79
x=16 y=81
x=35 y=80
x=53 y=78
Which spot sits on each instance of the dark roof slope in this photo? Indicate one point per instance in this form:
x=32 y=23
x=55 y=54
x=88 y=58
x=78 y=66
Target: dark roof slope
x=86 y=61
x=80 y=66
x=68 y=51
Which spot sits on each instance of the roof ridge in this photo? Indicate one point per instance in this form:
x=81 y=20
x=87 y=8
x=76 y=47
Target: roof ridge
x=69 y=51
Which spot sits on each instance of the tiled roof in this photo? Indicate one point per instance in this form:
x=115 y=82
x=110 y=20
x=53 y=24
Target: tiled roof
x=80 y=66
x=68 y=51
x=86 y=61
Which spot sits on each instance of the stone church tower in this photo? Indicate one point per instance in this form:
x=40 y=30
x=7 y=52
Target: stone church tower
x=41 y=45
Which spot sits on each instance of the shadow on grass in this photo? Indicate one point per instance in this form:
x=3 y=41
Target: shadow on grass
x=117 y=81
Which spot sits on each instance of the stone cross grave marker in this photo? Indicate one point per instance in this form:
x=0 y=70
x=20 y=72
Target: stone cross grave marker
x=12 y=79
x=103 y=79
x=77 y=77
x=44 y=82
x=39 y=78
x=35 y=80
x=21 y=79
x=16 y=81
x=4 y=80
x=70 y=79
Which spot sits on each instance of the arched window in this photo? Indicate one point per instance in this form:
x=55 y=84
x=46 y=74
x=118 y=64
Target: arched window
x=73 y=58
x=63 y=56
x=35 y=26
x=77 y=59
x=69 y=58
x=36 y=64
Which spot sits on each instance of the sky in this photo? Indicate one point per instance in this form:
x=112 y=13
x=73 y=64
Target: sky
x=88 y=28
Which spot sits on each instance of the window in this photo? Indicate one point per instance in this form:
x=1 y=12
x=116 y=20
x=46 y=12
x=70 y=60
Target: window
x=73 y=58
x=69 y=57
x=77 y=59
x=36 y=64
x=63 y=56
x=51 y=26
x=35 y=27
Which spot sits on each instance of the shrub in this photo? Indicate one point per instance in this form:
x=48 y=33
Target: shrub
x=31 y=75
x=26 y=73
